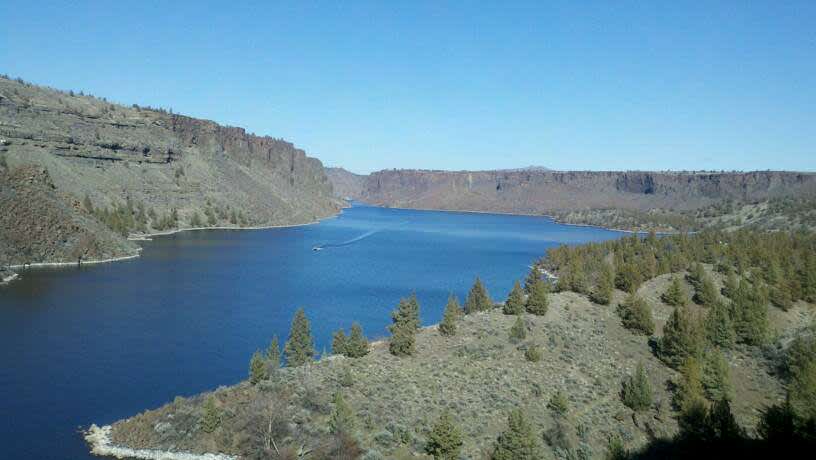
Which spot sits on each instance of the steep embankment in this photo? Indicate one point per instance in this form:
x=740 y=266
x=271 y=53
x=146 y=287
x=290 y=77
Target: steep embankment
x=346 y=184
x=620 y=199
x=75 y=162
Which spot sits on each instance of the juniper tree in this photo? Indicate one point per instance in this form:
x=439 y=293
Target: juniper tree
x=445 y=439
x=537 y=301
x=257 y=368
x=730 y=285
x=689 y=388
x=750 y=313
x=716 y=376
x=514 y=305
x=636 y=391
x=627 y=278
x=299 y=348
x=719 y=326
x=705 y=294
x=211 y=418
x=357 y=344
x=695 y=275
x=675 y=294
x=448 y=325
x=273 y=356
x=518 y=442
x=405 y=322
x=533 y=276
x=602 y=293
x=339 y=341
x=342 y=418
x=682 y=337
x=636 y=315
x=518 y=331
x=478 y=299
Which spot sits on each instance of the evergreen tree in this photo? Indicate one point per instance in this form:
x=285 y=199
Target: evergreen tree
x=675 y=294
x=211 y=418
x=357 y=344
x=695 y=275
x=514 y=305
x=636 y=315
x=532 y=277
x=448 y=325
x=339 y=342
x=706 y=293
x=716 y=376
x=342 y=418
x=627 y=278
x=445 y=439
x=403 y=330
x=751 y=313
x=519 y=330
x=719 y=327
x=518 y=441
x=537 y=301
x=299 y=349
x=682 y=337
x=478 y=299
x=782 y=295
x=690 y=393
x=257 y=368
x=602 y=294
x=637 y=391
x=730 y=285
x=273 y=355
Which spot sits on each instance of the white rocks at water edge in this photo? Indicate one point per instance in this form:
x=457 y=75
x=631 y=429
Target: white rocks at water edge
x=100 y=442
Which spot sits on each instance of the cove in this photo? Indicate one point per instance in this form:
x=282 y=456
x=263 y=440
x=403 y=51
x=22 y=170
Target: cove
x=102 y=342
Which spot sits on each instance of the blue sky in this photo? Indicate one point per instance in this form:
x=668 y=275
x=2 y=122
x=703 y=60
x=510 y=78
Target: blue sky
x=453 y=85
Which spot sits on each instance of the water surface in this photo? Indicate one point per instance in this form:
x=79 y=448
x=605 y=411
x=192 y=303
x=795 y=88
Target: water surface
x=99 y=343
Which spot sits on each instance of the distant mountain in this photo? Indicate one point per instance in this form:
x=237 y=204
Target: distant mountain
x=80 y=173
x=346 y=184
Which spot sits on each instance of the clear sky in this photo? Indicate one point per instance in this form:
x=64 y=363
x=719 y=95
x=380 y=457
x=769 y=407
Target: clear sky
x=453 y=85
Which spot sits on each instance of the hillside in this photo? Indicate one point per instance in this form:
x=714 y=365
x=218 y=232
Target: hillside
x=632 y=200
x=346 y=184
x=85 y=173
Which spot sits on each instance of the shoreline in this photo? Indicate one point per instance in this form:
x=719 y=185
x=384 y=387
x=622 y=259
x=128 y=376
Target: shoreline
x=101 y=445
x=548 y=216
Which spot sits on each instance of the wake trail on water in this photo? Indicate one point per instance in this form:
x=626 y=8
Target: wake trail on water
x=356 y=239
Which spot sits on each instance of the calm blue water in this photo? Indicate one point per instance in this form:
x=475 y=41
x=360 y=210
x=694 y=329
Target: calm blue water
x=99 y=343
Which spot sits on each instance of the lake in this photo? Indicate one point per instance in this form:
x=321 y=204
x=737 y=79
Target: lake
x=103 y=342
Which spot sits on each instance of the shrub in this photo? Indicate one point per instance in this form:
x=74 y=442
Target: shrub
x=558 y=403
x=636 y=391
x=537 y=301
x=299 y=348
x=636 y=315
x=478 y=299
x=341 y=419
x=211 y=418
x=519 y=330
x=514 y=305
x=445 y=439
x=518 y=441
x=533 y=353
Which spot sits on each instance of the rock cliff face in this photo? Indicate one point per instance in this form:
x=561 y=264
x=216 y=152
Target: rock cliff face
x=346 y=184
x=155 y=163
x=544 y=192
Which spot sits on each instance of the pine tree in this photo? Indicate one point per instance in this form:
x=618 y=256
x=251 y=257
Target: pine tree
x=357 y=344
x=257 y=368
x=403 y=330
x=602 y=294
x=452 y=311
x=299 y=348
x=695 y=275
x=537 y=301
x=750 y=313
x=519 y=330
x=478 y=298
x=637 y=391
x=627 y=278
x=342 y=418
x=273 y=355
x=636 y=315
x=211 y=418
x=514 y=305
x=705 y=294
x=675 y=294
x=682 y=337
x=518 y=441
x=716 y=376
x=445 y=439
x=719 y=326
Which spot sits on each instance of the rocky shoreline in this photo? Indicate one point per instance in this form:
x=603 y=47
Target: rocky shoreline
x=99 y=440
